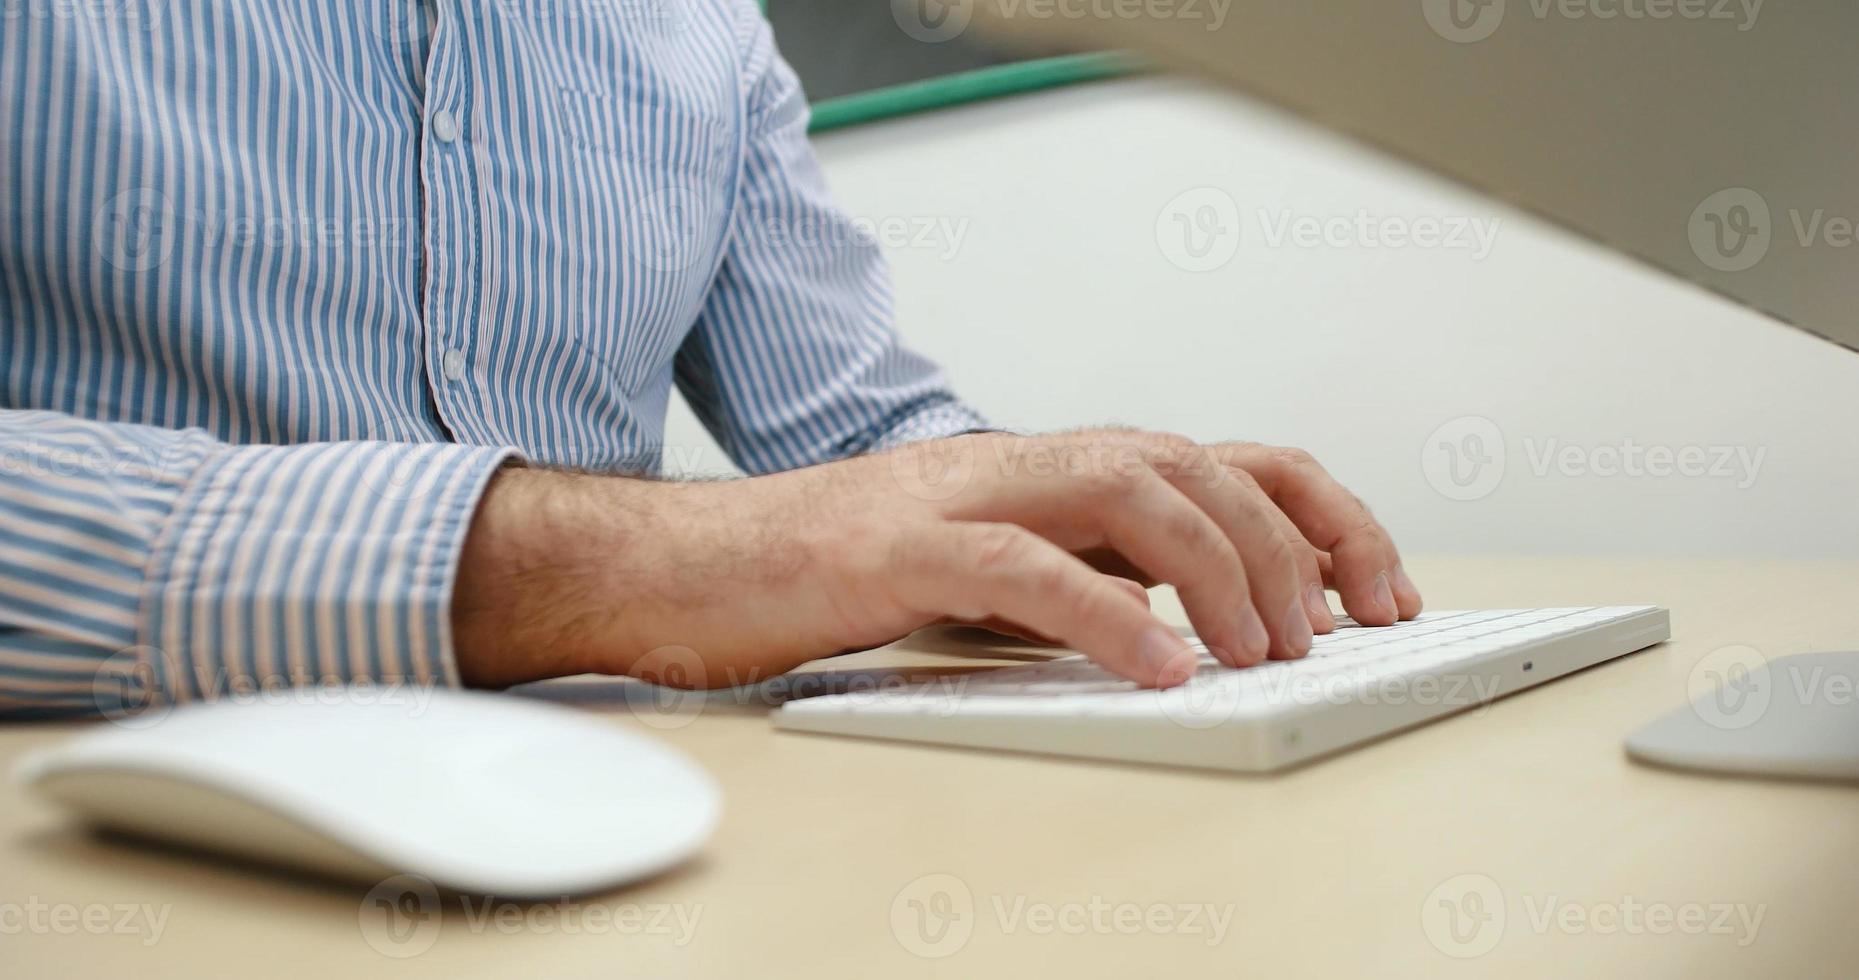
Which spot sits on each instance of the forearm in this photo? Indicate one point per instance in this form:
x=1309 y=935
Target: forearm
x=567 y=573
x=692 y=584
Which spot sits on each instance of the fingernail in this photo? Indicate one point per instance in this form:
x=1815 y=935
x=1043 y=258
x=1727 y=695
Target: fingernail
x=1167 y=655
x=1297 y=630
x=1384 y=596
x=1319 y=608
x=1252 y=634
x=1406 y=584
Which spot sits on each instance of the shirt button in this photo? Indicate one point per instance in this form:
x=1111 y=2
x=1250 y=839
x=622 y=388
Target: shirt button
x=444 y=126
x=453 y=363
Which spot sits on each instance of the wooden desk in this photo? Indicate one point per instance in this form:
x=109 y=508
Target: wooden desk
x=1603 y=867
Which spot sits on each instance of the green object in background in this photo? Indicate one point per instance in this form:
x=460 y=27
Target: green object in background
x=970 y=86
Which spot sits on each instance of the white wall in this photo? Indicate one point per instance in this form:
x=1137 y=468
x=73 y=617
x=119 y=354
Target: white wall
x=1049 y=293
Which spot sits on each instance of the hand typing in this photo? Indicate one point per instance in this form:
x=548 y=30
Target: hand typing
x=568 y=573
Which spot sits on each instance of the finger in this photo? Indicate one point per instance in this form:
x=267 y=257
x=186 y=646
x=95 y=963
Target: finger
x=1311 y=575
x=1248 y=518
x=1133 y=510
x=977 y=571
x=1164 y=532
x=995 y=624
x=1313 y=566
x=1134 y=588
x=1254 y=525
x=1108 y=561
x=1366 y=566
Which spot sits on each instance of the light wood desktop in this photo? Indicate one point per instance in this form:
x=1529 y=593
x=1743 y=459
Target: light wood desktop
x=1055 y=867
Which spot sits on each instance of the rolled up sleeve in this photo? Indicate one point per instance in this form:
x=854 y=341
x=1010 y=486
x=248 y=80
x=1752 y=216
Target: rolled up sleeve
x=144 y=566
x=795 y=359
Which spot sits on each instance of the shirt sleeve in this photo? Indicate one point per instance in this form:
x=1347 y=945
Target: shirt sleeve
x=144 y=566
x=794 y=359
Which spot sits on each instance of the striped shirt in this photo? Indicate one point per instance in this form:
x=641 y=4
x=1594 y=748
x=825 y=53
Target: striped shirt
x=282 y=282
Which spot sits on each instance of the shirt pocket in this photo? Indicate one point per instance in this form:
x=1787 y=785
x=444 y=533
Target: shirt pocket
x=663 y=155
x=652 y=122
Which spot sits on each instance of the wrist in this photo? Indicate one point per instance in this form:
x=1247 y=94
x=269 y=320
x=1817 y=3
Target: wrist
x=528 y=592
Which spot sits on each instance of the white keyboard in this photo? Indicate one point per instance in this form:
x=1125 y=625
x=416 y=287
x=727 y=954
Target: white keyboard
x=1357 y=683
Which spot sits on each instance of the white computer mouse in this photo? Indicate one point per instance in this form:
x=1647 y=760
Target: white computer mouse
x=477 y=792
x=1791 y=717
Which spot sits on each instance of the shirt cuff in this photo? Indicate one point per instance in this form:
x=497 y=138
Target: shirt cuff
x=937 y=421
x=310 y=564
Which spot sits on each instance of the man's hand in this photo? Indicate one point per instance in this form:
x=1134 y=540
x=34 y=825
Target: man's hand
x=712 y=584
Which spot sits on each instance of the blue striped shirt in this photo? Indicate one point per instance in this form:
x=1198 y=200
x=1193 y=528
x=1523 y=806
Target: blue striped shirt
x=282 y=282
